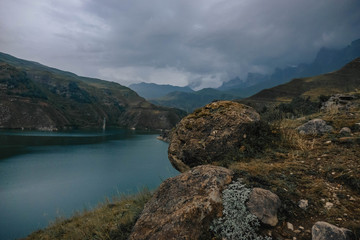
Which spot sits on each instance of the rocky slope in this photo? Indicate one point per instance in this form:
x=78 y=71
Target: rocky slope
x=34 y=96
x=313 y=168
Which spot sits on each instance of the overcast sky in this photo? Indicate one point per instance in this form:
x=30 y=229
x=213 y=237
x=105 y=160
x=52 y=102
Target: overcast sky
x=180 y=42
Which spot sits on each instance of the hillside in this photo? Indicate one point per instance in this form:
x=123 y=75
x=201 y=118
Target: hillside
x=34 y=96
x=152 y=90
x=189 y=101
x=347 y=79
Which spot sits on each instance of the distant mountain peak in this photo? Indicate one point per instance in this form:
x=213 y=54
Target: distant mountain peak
x=153 y=90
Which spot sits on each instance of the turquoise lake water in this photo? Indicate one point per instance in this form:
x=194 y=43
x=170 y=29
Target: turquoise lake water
x=44 y=175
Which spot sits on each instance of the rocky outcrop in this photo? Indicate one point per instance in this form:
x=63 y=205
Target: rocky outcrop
x=184 y=206
x=315 y=127
x=210 y=133
x=327 y=231
x=339 y=102
x=264 y=205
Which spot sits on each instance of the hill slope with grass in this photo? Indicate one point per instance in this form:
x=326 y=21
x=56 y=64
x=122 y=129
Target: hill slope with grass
x=152 y=90
x=345 y=80
x=189 y=101
x=34 y=96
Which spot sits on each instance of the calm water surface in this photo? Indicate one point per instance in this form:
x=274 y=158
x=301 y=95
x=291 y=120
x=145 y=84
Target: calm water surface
x=44 y=175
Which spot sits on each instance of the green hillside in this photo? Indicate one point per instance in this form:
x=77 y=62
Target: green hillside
x=152 y=90
x=34 y=96
x=189 y=101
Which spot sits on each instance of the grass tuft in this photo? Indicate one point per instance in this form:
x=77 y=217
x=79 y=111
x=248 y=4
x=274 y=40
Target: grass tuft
x=112 y=219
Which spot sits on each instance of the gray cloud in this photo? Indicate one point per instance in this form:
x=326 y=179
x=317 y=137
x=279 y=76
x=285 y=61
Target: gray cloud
x=200 y=43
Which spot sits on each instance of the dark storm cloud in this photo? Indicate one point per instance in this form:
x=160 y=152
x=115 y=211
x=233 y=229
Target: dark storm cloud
x=180 y=42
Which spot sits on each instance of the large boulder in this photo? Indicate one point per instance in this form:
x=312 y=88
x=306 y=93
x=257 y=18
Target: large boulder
x=210 y=133
x=315 y=127
x=339 y=102
x=264 y=205
x=184 y=206
x=327 y=231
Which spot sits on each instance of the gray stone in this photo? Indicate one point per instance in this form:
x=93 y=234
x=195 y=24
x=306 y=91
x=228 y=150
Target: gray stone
x=327 y=231
x=315 y=127
x=345 y=131
x=303 y=204
x=264 y=205
x=184 y=206
x=338 y=102
x=290 y=226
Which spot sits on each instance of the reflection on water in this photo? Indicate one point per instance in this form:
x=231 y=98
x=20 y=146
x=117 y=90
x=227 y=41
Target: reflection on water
x=43 y=174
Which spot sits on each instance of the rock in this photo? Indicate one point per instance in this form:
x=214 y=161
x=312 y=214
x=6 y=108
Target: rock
x=327 y=231
x=290 y=226
x=338 y=102
x=210 y=133
x=184 y=206
x=303 y=204
x=345 y=131
x=264 y=205
x=165 y=136
x=315 y=127
x=328 y=205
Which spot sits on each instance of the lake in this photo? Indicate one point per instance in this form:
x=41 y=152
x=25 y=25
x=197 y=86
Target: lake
x=44 y=175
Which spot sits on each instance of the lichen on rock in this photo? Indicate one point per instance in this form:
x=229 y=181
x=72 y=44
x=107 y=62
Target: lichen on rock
x=184 y=206
x=315 y=127
x=210 y=133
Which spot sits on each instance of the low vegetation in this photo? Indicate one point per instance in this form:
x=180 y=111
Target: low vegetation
x=237 y=223
x=110 y=220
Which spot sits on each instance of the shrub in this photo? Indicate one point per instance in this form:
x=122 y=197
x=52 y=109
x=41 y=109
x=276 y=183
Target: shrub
x=237 y=222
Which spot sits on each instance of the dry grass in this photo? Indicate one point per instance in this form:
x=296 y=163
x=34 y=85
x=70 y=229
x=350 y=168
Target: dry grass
x=311 y=168
x=110 y=220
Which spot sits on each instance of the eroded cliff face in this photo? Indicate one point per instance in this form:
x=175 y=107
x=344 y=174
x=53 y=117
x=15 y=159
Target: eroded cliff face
x=210 y=133
x=50 y=100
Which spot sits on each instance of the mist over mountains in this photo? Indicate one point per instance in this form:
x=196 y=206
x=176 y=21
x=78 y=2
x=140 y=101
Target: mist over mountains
x=326 y=60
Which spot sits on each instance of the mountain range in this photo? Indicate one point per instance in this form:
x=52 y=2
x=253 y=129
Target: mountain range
x=34 y=96
x=326 y=60
x=344 y=80
x=152 y=90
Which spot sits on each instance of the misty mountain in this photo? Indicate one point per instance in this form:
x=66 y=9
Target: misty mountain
x=344 y=80
x=152 y=90
x=326 y=60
